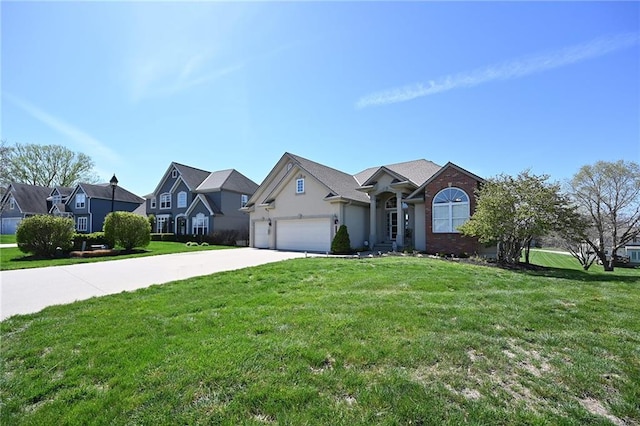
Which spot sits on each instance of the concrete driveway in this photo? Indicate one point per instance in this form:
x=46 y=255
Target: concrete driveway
x=30 y=290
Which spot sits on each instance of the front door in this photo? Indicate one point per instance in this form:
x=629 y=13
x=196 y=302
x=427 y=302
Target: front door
x=392 y=225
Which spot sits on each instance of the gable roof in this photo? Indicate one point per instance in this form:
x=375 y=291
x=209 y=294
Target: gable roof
x=104 y=191
x=416 y=171
x=190 y=175
x=340 y=184
x=64 y=191
x=31 y=199
x=230 y=180
x=420 y=190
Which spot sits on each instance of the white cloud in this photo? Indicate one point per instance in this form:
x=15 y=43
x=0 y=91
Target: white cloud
x=507 y=70
x=89 y=145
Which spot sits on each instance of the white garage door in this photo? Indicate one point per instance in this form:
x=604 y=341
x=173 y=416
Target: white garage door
x=10 y=224
x=261 y=235
x=304 y=235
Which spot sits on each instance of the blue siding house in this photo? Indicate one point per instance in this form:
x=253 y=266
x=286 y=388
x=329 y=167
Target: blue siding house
x=89 y=204
x=19 y=201
x=191 y=201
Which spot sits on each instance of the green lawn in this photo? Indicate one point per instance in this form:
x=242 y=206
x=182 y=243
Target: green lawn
x=335 y=341
x=13 y=258
x=7 y=239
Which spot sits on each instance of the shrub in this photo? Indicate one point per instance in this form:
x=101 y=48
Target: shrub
x=127 y=230
x=341 y=243
x=152 y=221
x=164 y=237
x=41 y=235
x=95 y=238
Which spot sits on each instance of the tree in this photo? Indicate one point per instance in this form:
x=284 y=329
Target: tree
x=512 y=212
x=42 y=235
x=609 y=194
x=341 y=243
x=44 y=165
x=127 y=230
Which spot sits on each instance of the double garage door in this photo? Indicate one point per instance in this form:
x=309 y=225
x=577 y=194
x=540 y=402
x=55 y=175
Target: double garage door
x=303 y=235
x=295 y=234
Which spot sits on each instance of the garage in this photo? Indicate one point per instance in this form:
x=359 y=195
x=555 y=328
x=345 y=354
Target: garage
x=261 y=234
x=304 y=235
x=10 y=224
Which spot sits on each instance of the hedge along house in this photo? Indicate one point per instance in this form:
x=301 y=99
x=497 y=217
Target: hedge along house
x=416 y=204
x=90 y=204
x=191 y=201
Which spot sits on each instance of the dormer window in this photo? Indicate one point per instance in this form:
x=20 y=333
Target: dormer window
x=300 y=186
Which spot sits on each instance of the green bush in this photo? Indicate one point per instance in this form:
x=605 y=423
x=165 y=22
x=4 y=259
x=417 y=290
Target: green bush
x=163 y=237
x=341 y=243
x=127 y=230
x=95 y=238
x=42 y=235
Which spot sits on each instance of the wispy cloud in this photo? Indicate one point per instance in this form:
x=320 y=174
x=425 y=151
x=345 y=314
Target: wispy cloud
x=503 y=71
x=87 y=143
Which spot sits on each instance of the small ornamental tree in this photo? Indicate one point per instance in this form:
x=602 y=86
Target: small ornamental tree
x=341 y=243
x=42 y=235
x=127 y=230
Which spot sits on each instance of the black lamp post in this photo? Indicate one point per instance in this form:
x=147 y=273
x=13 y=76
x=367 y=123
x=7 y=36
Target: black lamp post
x=114 y=183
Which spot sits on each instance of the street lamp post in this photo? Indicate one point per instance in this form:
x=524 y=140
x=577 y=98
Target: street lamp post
x=114 y=183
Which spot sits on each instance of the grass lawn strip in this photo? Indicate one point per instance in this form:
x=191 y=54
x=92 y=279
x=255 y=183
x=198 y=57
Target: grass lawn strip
x=12 y=258
x=334 y=341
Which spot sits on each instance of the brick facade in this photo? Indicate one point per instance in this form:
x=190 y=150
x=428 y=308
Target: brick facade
x=450 y=243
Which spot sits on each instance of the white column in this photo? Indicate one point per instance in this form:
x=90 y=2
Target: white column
x=372 y=221
x=400 y=213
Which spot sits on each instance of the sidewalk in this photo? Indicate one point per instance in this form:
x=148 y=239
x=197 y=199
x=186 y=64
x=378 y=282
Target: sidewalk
x=31 y=290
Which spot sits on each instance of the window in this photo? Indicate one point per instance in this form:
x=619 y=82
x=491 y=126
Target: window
x=12 y=203
x=244 y=199
x=450 y=210
x=56 y=199
x=153 y=203
x=299 y=186
x=162 y=224
x=200 y=224
x=80 y=201
x=81 y=224
x=634 y=255
x=182 y=199
x=174 y=173
x=165 y=201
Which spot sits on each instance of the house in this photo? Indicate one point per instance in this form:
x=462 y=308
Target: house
x=416 y=204
x=20 y=201
x=87 y=204
x=632 y=251
x=191 y=201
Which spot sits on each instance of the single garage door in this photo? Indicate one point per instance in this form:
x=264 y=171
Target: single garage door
x=10 y=224
x=261 y=235
x=304 y=235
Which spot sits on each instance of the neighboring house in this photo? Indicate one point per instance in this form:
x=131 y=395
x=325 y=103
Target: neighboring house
x=417 y=204
x=21 y=201
x=632 y=250
x=190 y=201
x=87 y=204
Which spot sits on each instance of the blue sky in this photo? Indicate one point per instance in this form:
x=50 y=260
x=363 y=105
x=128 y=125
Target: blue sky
x=495 y=87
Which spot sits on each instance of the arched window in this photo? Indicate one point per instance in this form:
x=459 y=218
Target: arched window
x=450 y=210
x=182 y=199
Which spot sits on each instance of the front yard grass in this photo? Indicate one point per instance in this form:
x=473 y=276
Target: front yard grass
x=336 y=341
x=7 y=239
x=12 y=258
